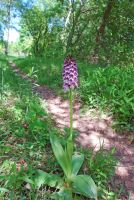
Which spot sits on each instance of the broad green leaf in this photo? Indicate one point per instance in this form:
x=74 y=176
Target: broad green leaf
x=70 y=149
x=65 y=194
x=61 y=155
x=77 y=161
x=3 y=190
x=48 y=179
x=28 y=180
x=84 y=184
x=55 y=196
x=69 y=160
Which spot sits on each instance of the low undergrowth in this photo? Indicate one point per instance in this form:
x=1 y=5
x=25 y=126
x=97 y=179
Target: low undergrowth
x=24 y=135
x=47 y=71
x=25 y=147
x=109 y=89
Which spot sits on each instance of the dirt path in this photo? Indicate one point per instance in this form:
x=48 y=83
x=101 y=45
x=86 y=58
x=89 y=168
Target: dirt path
x=93 y=130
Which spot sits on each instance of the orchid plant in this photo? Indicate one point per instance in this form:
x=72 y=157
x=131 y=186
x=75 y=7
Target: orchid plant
x=70 y=162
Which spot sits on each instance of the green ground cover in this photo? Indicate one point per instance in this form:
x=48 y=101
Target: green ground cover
x=110 y=89
x=25 y=146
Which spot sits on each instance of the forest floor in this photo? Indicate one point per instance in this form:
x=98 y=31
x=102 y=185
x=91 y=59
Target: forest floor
x=93 y=127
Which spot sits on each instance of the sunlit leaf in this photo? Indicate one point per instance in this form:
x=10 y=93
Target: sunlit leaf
x=84 y=184
x=3 y=190
x=61 y=155
x=48 y=179
x=69 y=149
x=77 y=161
x=63 y=194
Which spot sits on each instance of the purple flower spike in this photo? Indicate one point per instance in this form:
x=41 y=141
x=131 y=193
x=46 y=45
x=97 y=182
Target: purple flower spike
x=70 y=74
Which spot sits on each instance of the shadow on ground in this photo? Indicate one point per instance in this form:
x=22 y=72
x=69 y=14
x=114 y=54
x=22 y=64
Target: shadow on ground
x=93 y=130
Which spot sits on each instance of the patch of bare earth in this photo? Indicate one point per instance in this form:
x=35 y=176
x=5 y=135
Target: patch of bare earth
x=93 y=131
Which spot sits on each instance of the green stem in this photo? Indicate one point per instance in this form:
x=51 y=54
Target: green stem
x=71 y=115
x=2 y=84
x=70 y=138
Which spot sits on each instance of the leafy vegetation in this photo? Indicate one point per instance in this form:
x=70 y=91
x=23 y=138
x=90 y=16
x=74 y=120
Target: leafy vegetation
x=102 y=167
x=96 y=31
x=27 y=162
x=37 y=160
x=110 y=89
x=24 y=133
x=47 y=71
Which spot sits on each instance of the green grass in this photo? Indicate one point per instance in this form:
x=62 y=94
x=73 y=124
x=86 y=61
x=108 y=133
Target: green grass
x=46 y=71
x=109 y=89
x=24 y=134
x=24 y=137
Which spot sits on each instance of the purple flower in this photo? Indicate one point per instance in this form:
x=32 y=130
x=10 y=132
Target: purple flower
x=70 y=74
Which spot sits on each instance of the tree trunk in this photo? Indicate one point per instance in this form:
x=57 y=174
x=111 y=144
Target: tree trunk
x=8 y=25
x=101 y=30
x=75 y=18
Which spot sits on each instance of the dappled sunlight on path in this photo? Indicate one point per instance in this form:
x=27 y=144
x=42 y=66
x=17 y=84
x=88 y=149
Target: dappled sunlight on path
x=93 y=130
